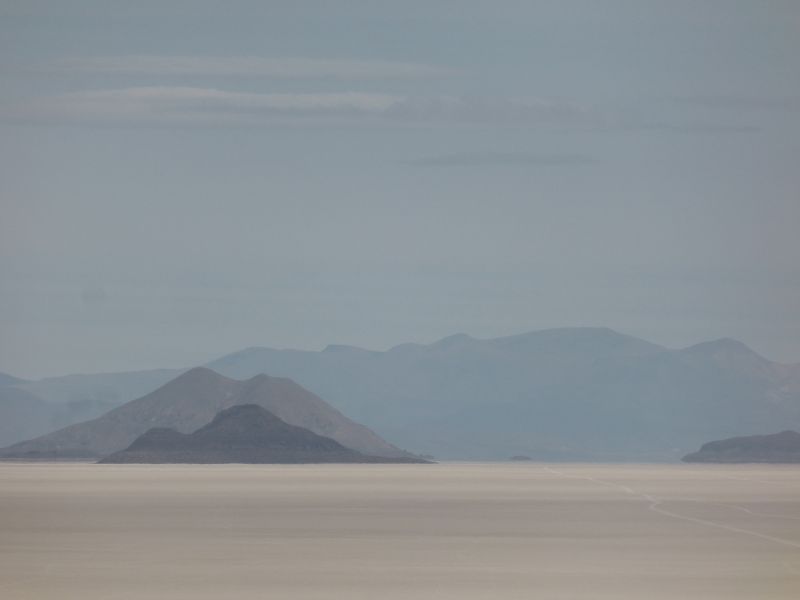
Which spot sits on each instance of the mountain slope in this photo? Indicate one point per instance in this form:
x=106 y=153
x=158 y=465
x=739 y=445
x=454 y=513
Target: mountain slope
x=246 y=433
x=190 y=401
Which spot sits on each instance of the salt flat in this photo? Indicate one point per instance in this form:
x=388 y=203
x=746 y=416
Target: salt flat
x=399 y=531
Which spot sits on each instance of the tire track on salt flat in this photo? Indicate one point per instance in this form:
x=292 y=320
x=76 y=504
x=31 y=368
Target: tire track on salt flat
x=654 y=505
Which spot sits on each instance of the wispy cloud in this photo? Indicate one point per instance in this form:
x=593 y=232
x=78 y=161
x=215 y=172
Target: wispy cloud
x=511 y=110
x=205 y=106
x=501 y=159
x=187 y=105
x=201 y=106
x=248 y=66
x=753 y=103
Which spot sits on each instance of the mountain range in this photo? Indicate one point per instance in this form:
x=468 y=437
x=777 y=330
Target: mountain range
x=562 y=394
x=246 y=433
x=191 y=401
x=558 y=394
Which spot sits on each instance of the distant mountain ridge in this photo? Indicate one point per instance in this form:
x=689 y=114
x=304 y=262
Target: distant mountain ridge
x=56 y=402
x=22 y=415
x=245 y=433
x=191 y=401
x=783 y=447
x=557 y=394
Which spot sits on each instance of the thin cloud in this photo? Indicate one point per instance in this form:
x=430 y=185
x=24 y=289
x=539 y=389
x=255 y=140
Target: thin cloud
x=248 y=66
x=206 y=106
x=471 y=109
x=182 y=105
x=750 y=103
x=501 y=159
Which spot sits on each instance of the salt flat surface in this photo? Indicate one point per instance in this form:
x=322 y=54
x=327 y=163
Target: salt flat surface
x=406 y=532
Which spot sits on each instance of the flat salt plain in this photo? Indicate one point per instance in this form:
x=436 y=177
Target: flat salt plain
x=453 y=530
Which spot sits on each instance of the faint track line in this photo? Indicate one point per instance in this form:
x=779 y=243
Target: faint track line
x=654 y=505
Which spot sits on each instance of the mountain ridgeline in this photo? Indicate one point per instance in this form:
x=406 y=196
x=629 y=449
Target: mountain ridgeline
x=562 y=394
x=558 y=394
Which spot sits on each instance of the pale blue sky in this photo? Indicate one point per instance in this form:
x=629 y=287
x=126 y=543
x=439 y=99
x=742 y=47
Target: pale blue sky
x=184 y=179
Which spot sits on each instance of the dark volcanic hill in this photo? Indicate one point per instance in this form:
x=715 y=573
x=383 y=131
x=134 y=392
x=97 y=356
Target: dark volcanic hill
x=246 y=433
x=189 y=402
x=783 y=447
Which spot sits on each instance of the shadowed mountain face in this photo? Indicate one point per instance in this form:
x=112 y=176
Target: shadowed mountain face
x=189 y=402
x=245 y=433
x=783 y=447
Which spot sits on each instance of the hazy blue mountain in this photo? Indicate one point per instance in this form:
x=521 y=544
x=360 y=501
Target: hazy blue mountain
x=783 y=447
x=6 y=379
x=32 y=408
x=246 y=433
x=190 y=401
x=101 y=389
x=572 y=393
x=22 y=415
x=576 y=393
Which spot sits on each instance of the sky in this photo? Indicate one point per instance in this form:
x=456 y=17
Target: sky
x=179 y=180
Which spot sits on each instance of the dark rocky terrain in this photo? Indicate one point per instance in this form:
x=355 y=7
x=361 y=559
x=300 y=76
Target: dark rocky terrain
x=191 y=401
x=246 y=433
x=783 y=447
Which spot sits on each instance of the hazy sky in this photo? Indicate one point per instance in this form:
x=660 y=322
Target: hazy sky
x=183 y=179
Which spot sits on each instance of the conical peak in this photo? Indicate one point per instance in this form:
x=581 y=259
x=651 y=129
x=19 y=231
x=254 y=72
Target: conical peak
x=198 y=374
